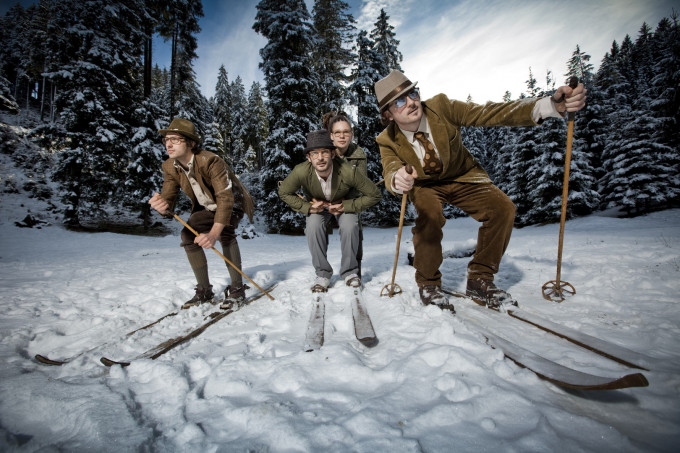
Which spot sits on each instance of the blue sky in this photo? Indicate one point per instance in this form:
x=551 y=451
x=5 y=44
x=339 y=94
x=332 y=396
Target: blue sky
x=459 y=47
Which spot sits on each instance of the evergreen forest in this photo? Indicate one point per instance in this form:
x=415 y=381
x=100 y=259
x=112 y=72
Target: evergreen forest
x=80 y=74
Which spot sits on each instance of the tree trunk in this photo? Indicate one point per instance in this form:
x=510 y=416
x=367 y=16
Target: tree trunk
x=172 y=73
x=148 y=44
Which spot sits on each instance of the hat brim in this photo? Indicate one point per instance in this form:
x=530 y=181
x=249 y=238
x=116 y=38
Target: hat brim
x=394 y=97
x=195 y=138
x=306 y=150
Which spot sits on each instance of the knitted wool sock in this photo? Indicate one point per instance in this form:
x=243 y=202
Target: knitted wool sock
x=233 y=254
x=199 y=264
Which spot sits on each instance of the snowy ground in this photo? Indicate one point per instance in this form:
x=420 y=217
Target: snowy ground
x=430 y=385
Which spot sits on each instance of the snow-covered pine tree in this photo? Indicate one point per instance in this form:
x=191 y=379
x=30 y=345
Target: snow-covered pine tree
x=504 y=141
x=386 y=43
x=160 y=85
x=193 y=106
x=545 y=182
x=15 y=61
x=144 y=159
x=239 y=119
x=222 y=113
x=333 y=55
x=524 y=159
x=179 y=24
x=589 y=130
x=257 y=124
x=665 y=94
x=96 y=44
x=212 y=141
x=637 y=170
x=292 y=85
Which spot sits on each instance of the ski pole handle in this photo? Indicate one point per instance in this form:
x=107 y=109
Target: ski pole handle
x=573 y=83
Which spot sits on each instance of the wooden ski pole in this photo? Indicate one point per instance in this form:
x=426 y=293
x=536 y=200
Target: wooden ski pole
x=394 y=288
x=556 y=289
x=224 y=257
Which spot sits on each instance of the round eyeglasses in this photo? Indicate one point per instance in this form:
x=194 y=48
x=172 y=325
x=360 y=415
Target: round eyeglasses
x=173 y=140
x=400 y=102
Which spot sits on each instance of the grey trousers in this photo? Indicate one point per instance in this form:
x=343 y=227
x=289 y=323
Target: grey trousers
x=317 y=240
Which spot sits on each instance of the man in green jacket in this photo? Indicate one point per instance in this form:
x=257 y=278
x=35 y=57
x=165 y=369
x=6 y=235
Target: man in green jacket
x=331 y=188
x=427 y=135
x=218 y=203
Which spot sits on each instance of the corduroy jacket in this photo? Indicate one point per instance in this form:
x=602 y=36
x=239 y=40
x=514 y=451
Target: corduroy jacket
x=446 y=117
x=213 y=175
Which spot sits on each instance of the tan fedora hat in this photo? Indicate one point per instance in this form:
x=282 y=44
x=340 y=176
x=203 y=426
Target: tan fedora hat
x=391 y=87
x=183 y=127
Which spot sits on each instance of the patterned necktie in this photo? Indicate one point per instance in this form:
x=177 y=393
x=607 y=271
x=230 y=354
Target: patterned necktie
x=431 y=163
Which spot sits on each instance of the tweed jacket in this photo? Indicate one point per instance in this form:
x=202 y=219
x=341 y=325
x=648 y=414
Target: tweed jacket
x=345 y=179
x=445 y=118
x=213 y=175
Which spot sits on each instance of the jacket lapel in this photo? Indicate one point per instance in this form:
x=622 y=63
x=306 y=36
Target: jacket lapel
x=335 y=182
x=313 y=184
x=405 y=150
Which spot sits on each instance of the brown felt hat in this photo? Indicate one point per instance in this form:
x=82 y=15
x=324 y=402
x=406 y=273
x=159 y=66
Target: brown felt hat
x=183 y=127
x=391 y=87
x=320 y=139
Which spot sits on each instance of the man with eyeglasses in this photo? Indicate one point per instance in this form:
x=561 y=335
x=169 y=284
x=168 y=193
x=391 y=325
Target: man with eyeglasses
x=218 y=203
x=327 y=184
x=426 y=134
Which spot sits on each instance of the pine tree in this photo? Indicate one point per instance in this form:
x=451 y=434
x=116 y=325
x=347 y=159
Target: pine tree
x=213 y=141
x=664 y=90
x=637 y=166
x=222 y=114
x=579 y=65
x=386 y=43
x=178 y=22
x=333 y=55
x=96 y=92
x=525 y=161
x=583 y=196
x=239 y=123
x=145 y=157
x=257 y=125
x=292 y=85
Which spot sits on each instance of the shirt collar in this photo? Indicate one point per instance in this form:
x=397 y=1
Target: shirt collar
x=190 y=166
x=424 y=126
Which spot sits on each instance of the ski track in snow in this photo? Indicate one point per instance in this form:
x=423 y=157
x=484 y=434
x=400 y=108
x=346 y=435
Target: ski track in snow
x=432 y=384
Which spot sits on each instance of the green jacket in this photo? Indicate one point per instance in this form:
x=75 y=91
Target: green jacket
x=356 y=157
x=446 y=117
x=345 y=179
x=212 y=174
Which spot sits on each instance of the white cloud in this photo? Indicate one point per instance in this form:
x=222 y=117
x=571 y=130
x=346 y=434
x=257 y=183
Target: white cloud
x=485 y=47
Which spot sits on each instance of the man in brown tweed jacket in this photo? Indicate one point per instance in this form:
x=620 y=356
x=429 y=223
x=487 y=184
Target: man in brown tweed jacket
x=218 y=203
x=426 y=134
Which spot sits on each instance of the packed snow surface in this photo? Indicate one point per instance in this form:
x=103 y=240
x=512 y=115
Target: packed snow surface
x=432 y=384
